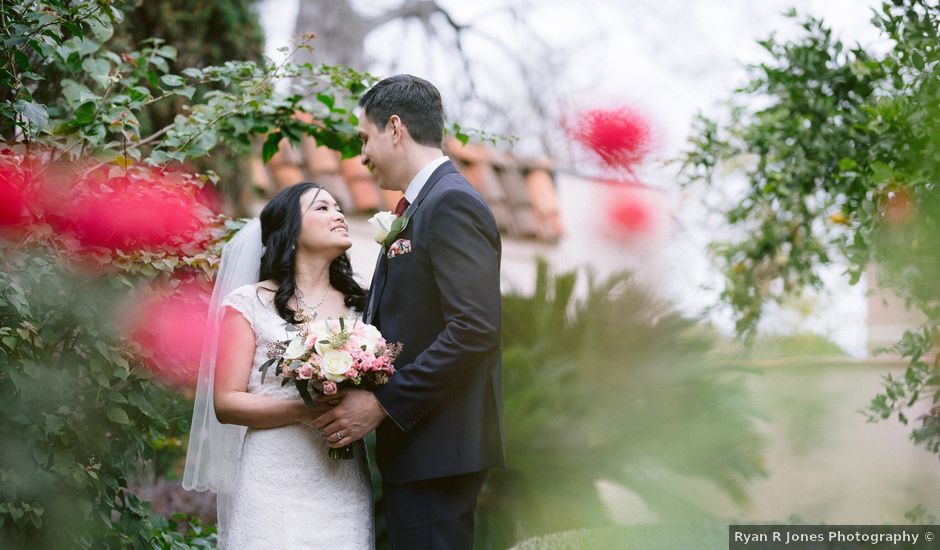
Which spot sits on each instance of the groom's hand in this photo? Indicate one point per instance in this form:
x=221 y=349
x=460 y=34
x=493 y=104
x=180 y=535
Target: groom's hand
x=357 y=414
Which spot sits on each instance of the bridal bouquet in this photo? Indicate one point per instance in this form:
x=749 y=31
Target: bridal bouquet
x=324 y=356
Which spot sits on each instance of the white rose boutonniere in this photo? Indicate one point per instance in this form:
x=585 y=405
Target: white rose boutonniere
x=382 y=222
x=387 y=226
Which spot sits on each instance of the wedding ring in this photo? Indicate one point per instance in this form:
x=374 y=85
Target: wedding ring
x=339 y=436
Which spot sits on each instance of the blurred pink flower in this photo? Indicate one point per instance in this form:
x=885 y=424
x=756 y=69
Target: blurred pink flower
x=131 y=217
x=12 y=196
x=170 y=330
x=629 y=214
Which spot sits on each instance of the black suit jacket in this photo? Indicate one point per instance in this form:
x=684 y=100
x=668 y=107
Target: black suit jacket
x=442 y=302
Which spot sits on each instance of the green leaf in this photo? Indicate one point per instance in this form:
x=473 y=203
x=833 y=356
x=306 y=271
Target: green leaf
x=98 y=70
x=101 y=28
x=34 y=112
x=881 y=172
x=85 y=113
x=263 y=369
x=139 y=93
x=327 y=100
x=160 y=64
x=117 y=414
x=397 y=227
x=76 y=94
x=270 y=147
x=172 y=80
x=846 y=164
x=167 y=51
x=21 y=60
x=186 y=91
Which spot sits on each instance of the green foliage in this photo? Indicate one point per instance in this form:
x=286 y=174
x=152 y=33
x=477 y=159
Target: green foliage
x=204 y=33
x=840 y=154
x=614 y=386
x=95 y=107
x=79 y=413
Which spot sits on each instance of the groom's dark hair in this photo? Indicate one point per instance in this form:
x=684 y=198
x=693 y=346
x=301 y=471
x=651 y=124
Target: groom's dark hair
x=416 y=102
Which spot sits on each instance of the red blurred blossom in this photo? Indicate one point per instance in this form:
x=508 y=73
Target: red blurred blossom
x=16 y=189
x=12 y=197
x=139 y=210
x=170 y=329
x=621 y=137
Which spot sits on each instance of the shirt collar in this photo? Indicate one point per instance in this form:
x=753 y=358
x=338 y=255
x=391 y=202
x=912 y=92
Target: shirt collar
x=421 y=178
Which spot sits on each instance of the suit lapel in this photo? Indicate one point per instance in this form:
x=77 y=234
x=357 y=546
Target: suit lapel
x=381 y=264
x=378 y=279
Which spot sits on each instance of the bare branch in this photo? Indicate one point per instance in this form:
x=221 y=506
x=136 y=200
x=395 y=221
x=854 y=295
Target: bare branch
x=422 y=9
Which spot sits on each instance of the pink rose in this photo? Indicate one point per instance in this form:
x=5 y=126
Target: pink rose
x=329 y=388
x=352 y=345
x=378 y=363
x=366 y=361
x=305 y=372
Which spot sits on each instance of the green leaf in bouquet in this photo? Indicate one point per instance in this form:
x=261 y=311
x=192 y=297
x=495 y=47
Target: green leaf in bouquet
x=304 y=390
x=263 y=369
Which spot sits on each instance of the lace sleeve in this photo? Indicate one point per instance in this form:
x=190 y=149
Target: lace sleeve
x=244 y=300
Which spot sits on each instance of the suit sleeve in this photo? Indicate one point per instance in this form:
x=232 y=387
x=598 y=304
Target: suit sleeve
x=464 y=253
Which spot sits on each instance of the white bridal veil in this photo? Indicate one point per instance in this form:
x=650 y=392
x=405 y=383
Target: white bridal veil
x=215 y=448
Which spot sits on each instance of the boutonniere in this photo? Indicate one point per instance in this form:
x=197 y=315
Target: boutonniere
x=387 y=226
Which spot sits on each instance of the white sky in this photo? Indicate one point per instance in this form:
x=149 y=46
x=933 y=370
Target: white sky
x=670 y=59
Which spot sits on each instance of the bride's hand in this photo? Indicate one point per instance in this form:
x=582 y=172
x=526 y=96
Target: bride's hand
x=306 y=415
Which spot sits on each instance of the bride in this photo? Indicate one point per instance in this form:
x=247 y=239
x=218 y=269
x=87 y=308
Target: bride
x=251 y=442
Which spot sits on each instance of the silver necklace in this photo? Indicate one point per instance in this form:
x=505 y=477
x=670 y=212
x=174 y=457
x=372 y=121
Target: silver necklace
x=308 y=313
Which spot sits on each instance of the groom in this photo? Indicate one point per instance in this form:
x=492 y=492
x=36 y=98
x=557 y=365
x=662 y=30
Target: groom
x=435 y=290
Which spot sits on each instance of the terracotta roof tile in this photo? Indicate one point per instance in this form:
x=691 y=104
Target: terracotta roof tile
x=521 y=194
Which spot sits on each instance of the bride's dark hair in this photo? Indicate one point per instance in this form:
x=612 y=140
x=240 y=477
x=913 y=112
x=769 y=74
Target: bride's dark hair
x=281 y=221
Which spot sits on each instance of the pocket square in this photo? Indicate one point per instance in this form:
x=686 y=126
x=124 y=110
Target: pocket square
x=399 y=247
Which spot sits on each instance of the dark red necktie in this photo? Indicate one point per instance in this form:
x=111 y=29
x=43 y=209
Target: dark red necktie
x=401 y=207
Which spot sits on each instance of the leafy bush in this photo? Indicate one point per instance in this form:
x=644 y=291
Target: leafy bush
x=839 y=151
x=614 y=386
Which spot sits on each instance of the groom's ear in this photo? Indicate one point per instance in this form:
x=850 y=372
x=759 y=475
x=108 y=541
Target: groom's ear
x=395 y=124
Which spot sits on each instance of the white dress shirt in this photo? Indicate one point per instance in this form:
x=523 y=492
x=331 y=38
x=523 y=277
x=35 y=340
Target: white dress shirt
x=421 y=178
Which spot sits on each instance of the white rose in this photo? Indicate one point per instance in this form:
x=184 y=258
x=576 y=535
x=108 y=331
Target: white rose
x=319 y=330
x=335 y=364
x=381 y=222
x=295 y=349
x=369 y=336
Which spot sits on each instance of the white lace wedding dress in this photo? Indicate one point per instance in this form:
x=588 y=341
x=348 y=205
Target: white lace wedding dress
x=289 y=494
